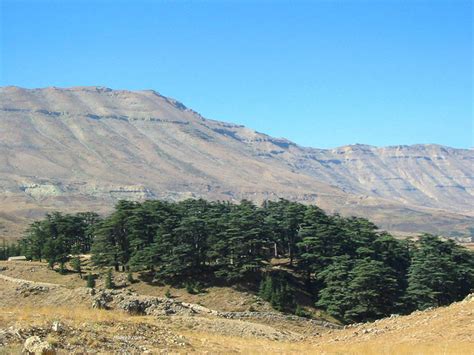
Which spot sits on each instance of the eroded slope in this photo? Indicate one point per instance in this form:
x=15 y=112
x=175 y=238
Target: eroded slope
x=84 y=148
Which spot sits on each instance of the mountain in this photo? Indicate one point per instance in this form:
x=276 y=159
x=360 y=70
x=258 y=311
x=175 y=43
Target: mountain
x=83 y=148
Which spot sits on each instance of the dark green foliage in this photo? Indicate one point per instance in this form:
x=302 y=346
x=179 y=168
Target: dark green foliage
x=284 y=219
x=190 y=288
x=182 y=249
x=111 y=247
x=276 y=289
x=266 y=288
x=283 y=298
x=90 y=281
x=109 y=281
x=322 y=238
x=372 y=291
x=300 y=312
x=440 y=273
x=130 y=278
x=242 y=248
x=7 y=250
x=357 y=290
x=334 y=295
x=76 y=265
x=351 y=269
x=58 y=236
x=62 y=268
x=193 y=288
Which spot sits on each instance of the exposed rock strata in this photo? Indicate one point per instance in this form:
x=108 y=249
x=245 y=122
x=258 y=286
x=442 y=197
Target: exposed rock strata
x=85 y=148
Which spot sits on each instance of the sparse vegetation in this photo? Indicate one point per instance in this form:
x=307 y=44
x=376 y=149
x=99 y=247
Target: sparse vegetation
x=433 y=332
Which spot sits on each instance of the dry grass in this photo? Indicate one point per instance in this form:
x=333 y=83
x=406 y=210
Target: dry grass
x=39 y=272
x=218 y=298
x=110 y=323
x=381 y=348
x=448 y=330
x=36 y=315
x=219 y=344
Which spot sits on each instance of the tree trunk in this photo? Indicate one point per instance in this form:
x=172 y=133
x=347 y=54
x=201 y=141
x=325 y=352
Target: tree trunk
x=290 y=253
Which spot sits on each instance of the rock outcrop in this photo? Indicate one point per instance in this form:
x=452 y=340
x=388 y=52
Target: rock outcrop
x=136 y=304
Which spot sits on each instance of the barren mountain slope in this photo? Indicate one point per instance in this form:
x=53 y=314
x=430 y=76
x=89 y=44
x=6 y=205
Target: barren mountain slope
x=84 y=148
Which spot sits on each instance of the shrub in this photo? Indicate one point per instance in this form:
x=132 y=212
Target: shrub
x=190 y=288
x=62 y=269
x=276 y=290
x=90 y=281
x=301 y=312
x=109 y=282
x=76 y=265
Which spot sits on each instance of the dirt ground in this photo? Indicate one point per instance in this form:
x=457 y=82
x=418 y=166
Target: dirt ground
x=220 y=298
x=32 y=308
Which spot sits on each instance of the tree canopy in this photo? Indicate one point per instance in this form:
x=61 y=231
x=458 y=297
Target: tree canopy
x=351 y=269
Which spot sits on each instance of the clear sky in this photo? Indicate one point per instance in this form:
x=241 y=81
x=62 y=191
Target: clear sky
x=321 y=73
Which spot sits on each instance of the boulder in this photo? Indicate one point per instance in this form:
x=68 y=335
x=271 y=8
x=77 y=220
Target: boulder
x=469 y=298
x=57 y=326
x=34 y=345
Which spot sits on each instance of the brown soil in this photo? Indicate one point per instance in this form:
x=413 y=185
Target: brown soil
x=31 y=308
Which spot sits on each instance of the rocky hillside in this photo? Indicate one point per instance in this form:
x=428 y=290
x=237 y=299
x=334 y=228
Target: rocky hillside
x=37 y=315
x=84 y=148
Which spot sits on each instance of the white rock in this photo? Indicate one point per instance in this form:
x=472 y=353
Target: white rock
x=34 y=345
x=57 y=326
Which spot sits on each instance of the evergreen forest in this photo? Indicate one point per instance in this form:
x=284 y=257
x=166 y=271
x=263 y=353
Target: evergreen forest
x=350 y=268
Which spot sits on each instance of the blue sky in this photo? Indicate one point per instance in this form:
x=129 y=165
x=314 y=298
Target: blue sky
x=321 y=73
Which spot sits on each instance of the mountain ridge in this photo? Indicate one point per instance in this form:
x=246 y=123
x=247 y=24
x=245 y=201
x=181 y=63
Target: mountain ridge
x=99 y=88
x=86 y=147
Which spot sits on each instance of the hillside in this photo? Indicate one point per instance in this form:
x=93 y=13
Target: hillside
x=44 y=311
x=84 y=148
